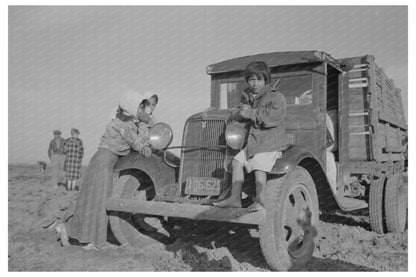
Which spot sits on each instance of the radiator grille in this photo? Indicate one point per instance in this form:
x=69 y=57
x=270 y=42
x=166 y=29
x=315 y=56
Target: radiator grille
x=206 y=160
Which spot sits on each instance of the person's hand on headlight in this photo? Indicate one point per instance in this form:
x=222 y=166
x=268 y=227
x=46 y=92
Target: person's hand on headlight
x=146 y=151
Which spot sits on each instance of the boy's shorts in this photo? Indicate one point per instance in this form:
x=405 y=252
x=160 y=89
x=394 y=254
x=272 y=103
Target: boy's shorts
x=261 y=161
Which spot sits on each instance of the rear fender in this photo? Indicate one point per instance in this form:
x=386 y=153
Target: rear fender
x=154 y=167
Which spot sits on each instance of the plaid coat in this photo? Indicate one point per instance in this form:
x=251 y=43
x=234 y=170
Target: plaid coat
x=74 y=152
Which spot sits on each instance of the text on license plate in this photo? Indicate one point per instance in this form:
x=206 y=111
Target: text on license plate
x=202 y=186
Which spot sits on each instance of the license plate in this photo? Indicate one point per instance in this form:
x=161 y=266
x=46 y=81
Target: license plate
x=202 y=186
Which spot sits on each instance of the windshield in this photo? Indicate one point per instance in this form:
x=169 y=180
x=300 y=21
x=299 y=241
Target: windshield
x=297 y=90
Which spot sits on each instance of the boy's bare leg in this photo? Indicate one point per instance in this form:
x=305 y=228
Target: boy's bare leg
x=234 y=201
x=261 y=180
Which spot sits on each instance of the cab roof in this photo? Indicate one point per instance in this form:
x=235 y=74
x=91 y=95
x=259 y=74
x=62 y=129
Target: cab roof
x=272 y=60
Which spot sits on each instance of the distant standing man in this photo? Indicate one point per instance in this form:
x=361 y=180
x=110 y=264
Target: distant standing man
x=74 y=151
x=56 y=154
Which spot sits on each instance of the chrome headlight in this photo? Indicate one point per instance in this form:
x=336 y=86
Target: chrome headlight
x=236 y=134
x=160 y=135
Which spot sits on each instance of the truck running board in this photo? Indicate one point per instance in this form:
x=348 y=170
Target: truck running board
x=191 y=211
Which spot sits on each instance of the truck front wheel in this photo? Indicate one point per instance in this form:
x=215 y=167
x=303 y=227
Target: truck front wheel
x=292 y=212
x=135 y=230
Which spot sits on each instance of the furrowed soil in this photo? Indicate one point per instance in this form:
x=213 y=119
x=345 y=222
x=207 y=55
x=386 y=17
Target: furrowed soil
x=344 y=242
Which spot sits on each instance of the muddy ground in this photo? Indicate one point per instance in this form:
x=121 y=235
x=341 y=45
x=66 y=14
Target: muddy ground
x=343 y=243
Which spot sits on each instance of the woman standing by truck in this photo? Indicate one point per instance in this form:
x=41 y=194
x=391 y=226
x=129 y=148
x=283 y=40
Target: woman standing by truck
x=89 y=221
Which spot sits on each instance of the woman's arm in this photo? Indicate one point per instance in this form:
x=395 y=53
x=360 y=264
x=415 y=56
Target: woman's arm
x=65 y=147
x=136 y=140
x=81 y=149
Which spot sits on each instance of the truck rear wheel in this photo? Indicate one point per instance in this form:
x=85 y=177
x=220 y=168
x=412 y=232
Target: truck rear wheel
x=396 y=204
x=132 y=229
x=287 y=236
x=376 y=205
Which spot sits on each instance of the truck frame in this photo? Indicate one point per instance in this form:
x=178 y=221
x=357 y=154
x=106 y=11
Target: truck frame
x=346 y=127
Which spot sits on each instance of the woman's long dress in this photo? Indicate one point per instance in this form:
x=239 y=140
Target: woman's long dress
x=90 y=220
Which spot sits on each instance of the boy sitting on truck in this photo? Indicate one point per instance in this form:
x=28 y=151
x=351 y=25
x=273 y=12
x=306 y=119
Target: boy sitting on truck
x=265 y=108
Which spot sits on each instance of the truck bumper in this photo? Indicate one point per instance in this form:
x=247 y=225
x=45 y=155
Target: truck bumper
x=191 y=211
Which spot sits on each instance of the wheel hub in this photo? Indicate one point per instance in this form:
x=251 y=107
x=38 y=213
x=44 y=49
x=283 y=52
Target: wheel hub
x=297 y=221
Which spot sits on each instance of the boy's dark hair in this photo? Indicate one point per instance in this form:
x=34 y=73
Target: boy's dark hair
x=154 y=96
x=258 y=68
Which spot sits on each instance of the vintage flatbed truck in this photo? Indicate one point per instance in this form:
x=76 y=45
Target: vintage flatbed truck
x=346 y=125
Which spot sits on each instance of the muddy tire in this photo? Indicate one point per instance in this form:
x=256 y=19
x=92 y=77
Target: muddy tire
x=292 y=212
x=376 y=205
x=396 y=204
x=127 y=227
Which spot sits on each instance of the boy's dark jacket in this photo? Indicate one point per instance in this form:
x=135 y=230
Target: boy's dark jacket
x=267 y=132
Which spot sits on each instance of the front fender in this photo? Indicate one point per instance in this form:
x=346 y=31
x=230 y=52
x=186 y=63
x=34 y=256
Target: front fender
x=158 y=171
x=291 y=157
x=299 y=156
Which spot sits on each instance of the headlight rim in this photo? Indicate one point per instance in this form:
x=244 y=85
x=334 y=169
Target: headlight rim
x=239 y=129
x=153 y=128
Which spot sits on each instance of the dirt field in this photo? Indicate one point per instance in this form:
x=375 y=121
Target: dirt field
x=343 y=243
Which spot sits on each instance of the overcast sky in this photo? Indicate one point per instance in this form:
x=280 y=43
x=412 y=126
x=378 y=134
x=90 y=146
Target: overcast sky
x=68 y=65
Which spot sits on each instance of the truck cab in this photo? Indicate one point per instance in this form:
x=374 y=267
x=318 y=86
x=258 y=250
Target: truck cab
x=345 y=125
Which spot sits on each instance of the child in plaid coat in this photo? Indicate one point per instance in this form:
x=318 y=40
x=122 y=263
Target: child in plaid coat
x=74 y=153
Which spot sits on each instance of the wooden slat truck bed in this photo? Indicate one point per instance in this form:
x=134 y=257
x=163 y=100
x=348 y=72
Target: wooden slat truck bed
x=377 y=125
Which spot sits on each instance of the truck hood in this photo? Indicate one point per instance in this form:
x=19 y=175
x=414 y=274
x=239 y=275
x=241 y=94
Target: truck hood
x=212 y=113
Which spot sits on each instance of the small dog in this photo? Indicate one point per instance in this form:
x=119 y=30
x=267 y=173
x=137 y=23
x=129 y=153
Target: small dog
x=42 y=166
